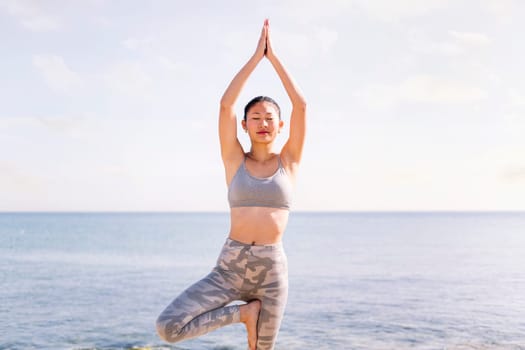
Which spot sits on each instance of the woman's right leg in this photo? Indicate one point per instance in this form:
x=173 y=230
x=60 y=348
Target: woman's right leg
x=201 y=308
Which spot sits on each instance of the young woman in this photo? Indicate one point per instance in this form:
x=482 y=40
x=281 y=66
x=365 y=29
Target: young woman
x=252 y=265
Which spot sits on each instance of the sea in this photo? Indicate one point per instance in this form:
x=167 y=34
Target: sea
x=358 y=280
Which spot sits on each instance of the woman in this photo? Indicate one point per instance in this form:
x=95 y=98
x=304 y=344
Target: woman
x=252 y=265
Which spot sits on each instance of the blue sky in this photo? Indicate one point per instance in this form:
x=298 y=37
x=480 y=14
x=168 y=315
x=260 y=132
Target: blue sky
x=112 y=105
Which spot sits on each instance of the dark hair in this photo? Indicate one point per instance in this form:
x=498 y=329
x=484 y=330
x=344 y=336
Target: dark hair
x=258 y=99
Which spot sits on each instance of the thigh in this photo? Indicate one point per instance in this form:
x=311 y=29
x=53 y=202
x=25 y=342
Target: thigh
x=270 y=318
x=271 y=288
x=211 y=292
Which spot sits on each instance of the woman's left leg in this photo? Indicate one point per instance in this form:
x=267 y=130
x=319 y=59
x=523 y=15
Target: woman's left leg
x=199 y=309
x=202 y=307
x=270 y=317
x=267 y=280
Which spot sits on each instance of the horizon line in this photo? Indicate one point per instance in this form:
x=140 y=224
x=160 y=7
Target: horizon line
x=436 y=211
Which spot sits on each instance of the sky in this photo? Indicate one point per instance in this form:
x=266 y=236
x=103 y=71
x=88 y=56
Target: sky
x=113 y=105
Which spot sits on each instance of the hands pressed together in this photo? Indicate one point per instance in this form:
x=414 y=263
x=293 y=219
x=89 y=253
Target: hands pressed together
x=264 y=46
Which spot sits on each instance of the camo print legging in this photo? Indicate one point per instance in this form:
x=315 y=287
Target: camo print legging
x=243 y=272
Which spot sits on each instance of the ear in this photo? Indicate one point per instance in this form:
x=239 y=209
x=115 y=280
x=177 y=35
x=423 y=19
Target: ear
x=281 y=124
x=243 y=123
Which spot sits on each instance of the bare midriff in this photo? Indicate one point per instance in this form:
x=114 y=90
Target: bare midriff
x=258 y=225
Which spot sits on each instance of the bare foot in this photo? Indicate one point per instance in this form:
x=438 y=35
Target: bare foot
x=249 y=316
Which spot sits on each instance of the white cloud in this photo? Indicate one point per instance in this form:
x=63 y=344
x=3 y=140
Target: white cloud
x=31 y=16
x=56 y=73
x=61 y=124
x=471 y=38
x=420 y=89
x=155 y=54
x=296 y=47
x=457 y=43
x=140 y=44
x=114 y=169
x=12 y=179
x=377 y=96
x=303 y=48
x=391 y=11
x=514 y=116
x=427 y=88
x=308 y=10
x=172 y=65
x=130 y=78
x=514 y=174
x=102 y=21
x=516 y=97
x=502 y=9
x=326 y=39
x=515 y=122
x=504 y=164
x=445 y=48
x=13 y=122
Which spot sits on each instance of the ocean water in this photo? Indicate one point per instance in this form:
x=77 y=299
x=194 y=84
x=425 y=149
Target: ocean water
x=357 y=280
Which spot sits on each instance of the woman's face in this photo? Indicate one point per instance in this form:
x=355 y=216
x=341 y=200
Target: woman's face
x=262 y=122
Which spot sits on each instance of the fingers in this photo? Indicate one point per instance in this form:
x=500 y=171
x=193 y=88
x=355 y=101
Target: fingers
x=265 y=28
x=263 y=34
x=269 y=48
x=261 y=44
x=267 y=36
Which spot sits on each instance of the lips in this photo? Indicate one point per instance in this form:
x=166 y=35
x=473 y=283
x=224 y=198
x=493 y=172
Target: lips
x=262 y=132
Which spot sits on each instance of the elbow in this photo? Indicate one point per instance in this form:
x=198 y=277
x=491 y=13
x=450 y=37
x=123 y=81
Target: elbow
x=300 y=104
x=303 y=104
x=299 y=101
x=226 y=103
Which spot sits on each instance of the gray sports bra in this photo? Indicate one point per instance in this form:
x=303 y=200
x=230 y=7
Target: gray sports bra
x=249 y=191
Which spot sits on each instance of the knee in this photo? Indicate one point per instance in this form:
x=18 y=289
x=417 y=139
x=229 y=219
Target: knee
x=162 y=329
x=167 y=329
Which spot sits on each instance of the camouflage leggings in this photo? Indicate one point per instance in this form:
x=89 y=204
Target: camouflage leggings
x=243 y=272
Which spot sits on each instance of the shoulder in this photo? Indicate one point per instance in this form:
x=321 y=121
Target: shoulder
x=289 y=165
x=231 y=166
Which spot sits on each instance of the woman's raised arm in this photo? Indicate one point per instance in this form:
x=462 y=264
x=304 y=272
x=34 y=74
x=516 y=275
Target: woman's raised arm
x=293 y=148
x=231 y=150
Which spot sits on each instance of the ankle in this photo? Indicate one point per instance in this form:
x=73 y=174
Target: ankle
x=247 y=310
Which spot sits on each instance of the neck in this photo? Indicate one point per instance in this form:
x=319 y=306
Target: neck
x=261 y=152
